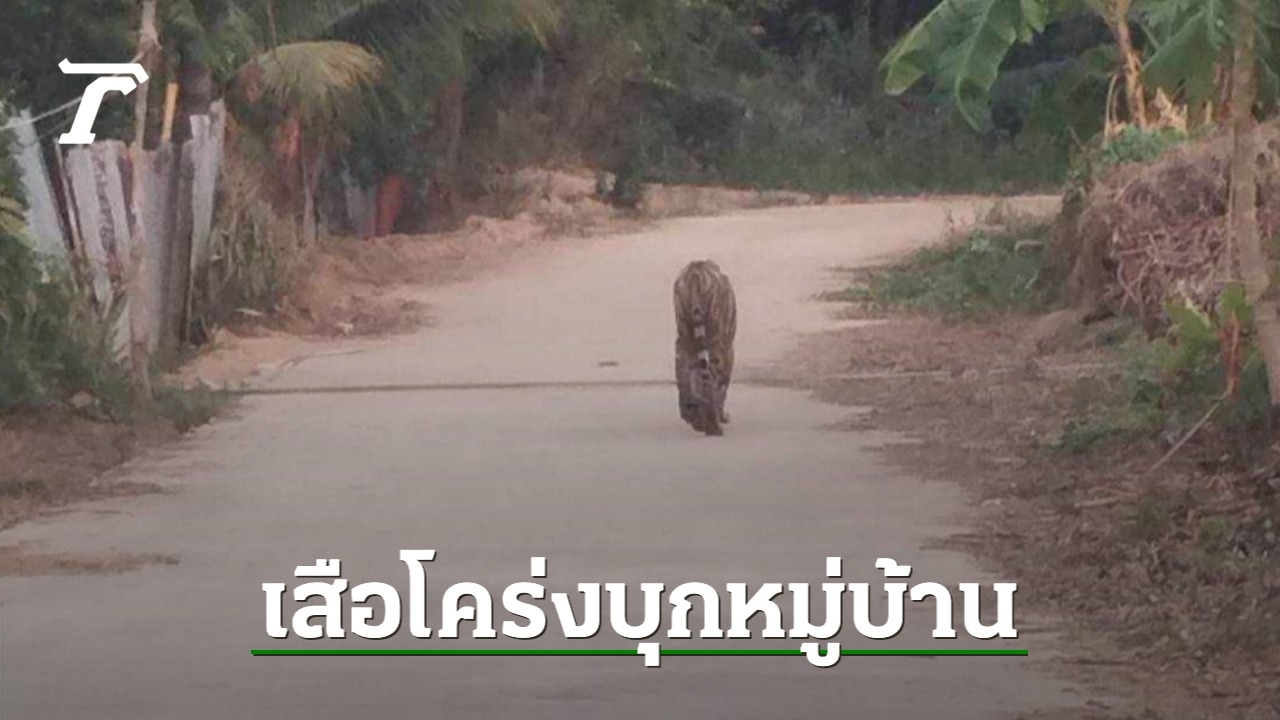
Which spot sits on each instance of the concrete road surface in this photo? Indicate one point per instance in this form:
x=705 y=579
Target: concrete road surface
x=603 y=480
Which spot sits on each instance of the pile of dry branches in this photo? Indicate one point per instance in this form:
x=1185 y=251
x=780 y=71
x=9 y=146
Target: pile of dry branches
x=1151 y=233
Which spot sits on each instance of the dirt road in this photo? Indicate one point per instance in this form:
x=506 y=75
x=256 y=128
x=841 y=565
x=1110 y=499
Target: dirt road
x=601 y=479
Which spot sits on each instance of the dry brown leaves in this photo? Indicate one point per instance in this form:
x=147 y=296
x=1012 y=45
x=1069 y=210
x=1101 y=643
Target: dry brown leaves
x=1162 y=228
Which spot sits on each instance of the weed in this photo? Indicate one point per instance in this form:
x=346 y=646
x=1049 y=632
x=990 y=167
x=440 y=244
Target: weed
x=1150 y=518
x=825 y=145
x=254 y=253
x=1079 y=437
x=1213 y=532
x=187 y=407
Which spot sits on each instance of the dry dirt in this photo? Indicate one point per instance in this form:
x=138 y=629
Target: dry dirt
x=52 y=459
x=16 y=562
x=1092 y=537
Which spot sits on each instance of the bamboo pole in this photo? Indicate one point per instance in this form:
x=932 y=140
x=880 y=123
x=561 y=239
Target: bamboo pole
x=170 y=107
x=139 y=345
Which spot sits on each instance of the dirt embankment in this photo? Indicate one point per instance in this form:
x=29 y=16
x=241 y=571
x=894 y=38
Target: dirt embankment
x=1168 y=579
x=52 y=458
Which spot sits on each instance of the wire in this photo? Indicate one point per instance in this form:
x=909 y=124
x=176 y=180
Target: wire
x=32 y=121
x=56 y=129
x=74 y=101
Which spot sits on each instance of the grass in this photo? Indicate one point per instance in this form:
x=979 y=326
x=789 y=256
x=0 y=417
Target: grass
x=987 y=272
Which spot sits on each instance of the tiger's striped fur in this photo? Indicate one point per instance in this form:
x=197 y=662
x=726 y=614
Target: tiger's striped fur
x=706 y=323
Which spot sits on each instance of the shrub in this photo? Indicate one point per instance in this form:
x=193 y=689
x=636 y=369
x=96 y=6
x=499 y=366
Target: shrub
x=255 y=251
x=1205 y=368
x=53 y=344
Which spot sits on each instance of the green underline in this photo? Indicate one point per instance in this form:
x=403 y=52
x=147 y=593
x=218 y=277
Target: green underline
x=630 y=652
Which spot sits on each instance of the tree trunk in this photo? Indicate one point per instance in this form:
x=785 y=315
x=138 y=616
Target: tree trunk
x=445 y=145
x=864 y=54
x=196 y=98
x=1255 y=265
x=1135 y=94
x=139 y=337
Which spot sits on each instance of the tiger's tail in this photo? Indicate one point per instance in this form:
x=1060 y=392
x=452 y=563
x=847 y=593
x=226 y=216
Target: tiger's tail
x=700 y=337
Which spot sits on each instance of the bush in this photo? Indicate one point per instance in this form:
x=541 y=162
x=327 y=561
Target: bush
x=53 y=345
x=57 y=348
x=1202 y=369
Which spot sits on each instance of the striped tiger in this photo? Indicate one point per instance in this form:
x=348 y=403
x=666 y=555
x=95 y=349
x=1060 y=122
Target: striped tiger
x=706 y=322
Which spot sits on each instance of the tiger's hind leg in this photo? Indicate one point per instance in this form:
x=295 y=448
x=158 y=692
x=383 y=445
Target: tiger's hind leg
x=690 y=411
x=726 y=375
x=711 y=421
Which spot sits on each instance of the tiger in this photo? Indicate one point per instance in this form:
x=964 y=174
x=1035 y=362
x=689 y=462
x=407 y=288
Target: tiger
x=706 y=323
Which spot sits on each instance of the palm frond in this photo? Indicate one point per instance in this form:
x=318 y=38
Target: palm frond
x=538 y=18
x=12 y=217
x=324 y=82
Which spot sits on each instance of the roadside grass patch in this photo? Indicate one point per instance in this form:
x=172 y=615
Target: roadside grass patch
x=992 y=270
x=188 y=407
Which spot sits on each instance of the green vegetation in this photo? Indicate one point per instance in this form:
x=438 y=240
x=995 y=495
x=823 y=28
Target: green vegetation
x=1204 y=370
x=52 y=344
x=880 y=147
x=1102 y=156
x=963 y=45
x=56 y=347
x=254 y=253
x=768 y=95
x=989 y=271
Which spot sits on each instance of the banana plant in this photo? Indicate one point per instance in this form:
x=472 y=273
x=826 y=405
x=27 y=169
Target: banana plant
x=961 y=44
x=1192 y=43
